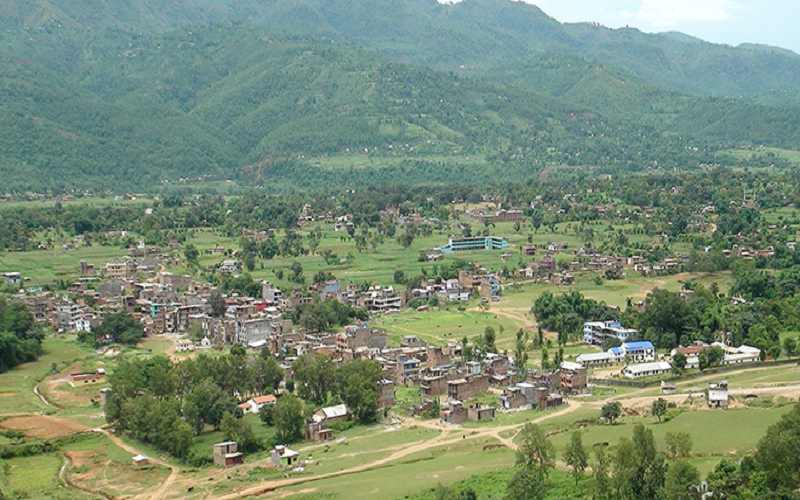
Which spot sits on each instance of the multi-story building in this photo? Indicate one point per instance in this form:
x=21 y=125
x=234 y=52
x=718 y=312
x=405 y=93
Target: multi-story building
x=379 y=300
x=458 y=244
x=595 y=332
x=67 y=316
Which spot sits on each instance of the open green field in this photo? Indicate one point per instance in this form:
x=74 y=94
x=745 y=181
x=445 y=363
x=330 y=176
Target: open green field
x=94 y=201
x=45 y=267
x=16 y=385
x=786 y=154
x=710 y=430
x=34 y=477
x=446 y=326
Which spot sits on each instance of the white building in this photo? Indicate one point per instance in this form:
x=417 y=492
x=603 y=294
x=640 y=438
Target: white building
x=718 y=395
x=646 y=369
x=639 y=352
x=595 y=332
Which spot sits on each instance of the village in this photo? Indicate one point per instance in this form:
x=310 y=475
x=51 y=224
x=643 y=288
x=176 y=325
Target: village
x=432 y=377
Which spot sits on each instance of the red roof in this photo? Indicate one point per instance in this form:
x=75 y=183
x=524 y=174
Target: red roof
x=691 y=350
x=268 y=399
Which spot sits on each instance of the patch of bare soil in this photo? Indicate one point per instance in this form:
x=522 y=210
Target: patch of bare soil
x=43 y=426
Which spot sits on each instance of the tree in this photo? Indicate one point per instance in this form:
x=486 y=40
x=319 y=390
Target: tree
x=191 y=414
x=399 y=277
x=679 y=444
x=359 y=389
x=239 y=431
x=210 y=401
x=679 y=361
x=191 y=253
x=315 y=377
x=611 y=411
x=266 y=414
x=778 y=454
x=121 y=327
x=526 y=484
x=521 y=352
x=16 y=318
x=405 y=240
x=269 y=373
x=535 y=452
x=682 y=481
x=575 y=456
x=714 y=356
x=702 y=360
x=659 y=408
x=790 y=346
x=289 y=419
x=217 y=303
x=602 y=483
x=297 y=271
x=489 y=337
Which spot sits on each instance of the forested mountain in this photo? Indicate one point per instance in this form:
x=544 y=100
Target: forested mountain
x=94 y=108
x=470 y=36
x=616 y=93
x=55 y=134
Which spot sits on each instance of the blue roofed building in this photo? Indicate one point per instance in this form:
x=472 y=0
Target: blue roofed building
x=640 y=352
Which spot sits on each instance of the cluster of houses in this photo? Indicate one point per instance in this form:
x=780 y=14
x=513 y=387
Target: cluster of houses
x=461 y=289
x=486 y=215
x=641 y=358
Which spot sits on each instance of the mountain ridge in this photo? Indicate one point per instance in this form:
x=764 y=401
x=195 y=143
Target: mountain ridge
x=467 y=37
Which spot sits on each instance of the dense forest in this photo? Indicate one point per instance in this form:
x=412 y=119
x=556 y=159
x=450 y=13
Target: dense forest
x=96 y=109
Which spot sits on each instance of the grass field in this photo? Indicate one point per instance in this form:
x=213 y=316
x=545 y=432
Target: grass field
x=16 y=385
x=710 y=430
x=47 y=266
x=33 y=477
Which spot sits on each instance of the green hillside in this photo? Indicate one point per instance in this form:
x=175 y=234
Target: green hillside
x=89 y=109
x=56 y=135
x=618 y=94
x=469 y=37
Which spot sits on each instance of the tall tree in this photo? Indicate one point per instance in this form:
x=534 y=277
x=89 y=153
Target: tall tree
x=358 y=386
x=659 y=408
x=575 y=456
x=289 y=419
x=535 y=451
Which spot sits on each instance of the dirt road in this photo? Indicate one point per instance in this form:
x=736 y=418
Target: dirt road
x=160 y=493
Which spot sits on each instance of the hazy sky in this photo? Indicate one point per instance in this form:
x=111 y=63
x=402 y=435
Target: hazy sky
x=773 y=22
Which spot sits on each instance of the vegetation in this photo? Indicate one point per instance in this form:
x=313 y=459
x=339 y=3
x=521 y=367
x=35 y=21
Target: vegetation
x=20 y=338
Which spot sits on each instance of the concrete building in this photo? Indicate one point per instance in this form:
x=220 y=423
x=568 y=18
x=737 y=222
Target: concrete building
x=595 y=332
x=639 y=352
x=646 y=369
x=718 y=395
x=386 y=395
x=226 y=454
x=82 y=379
x=478 y=413
x=281 y=456
x=458 y=244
